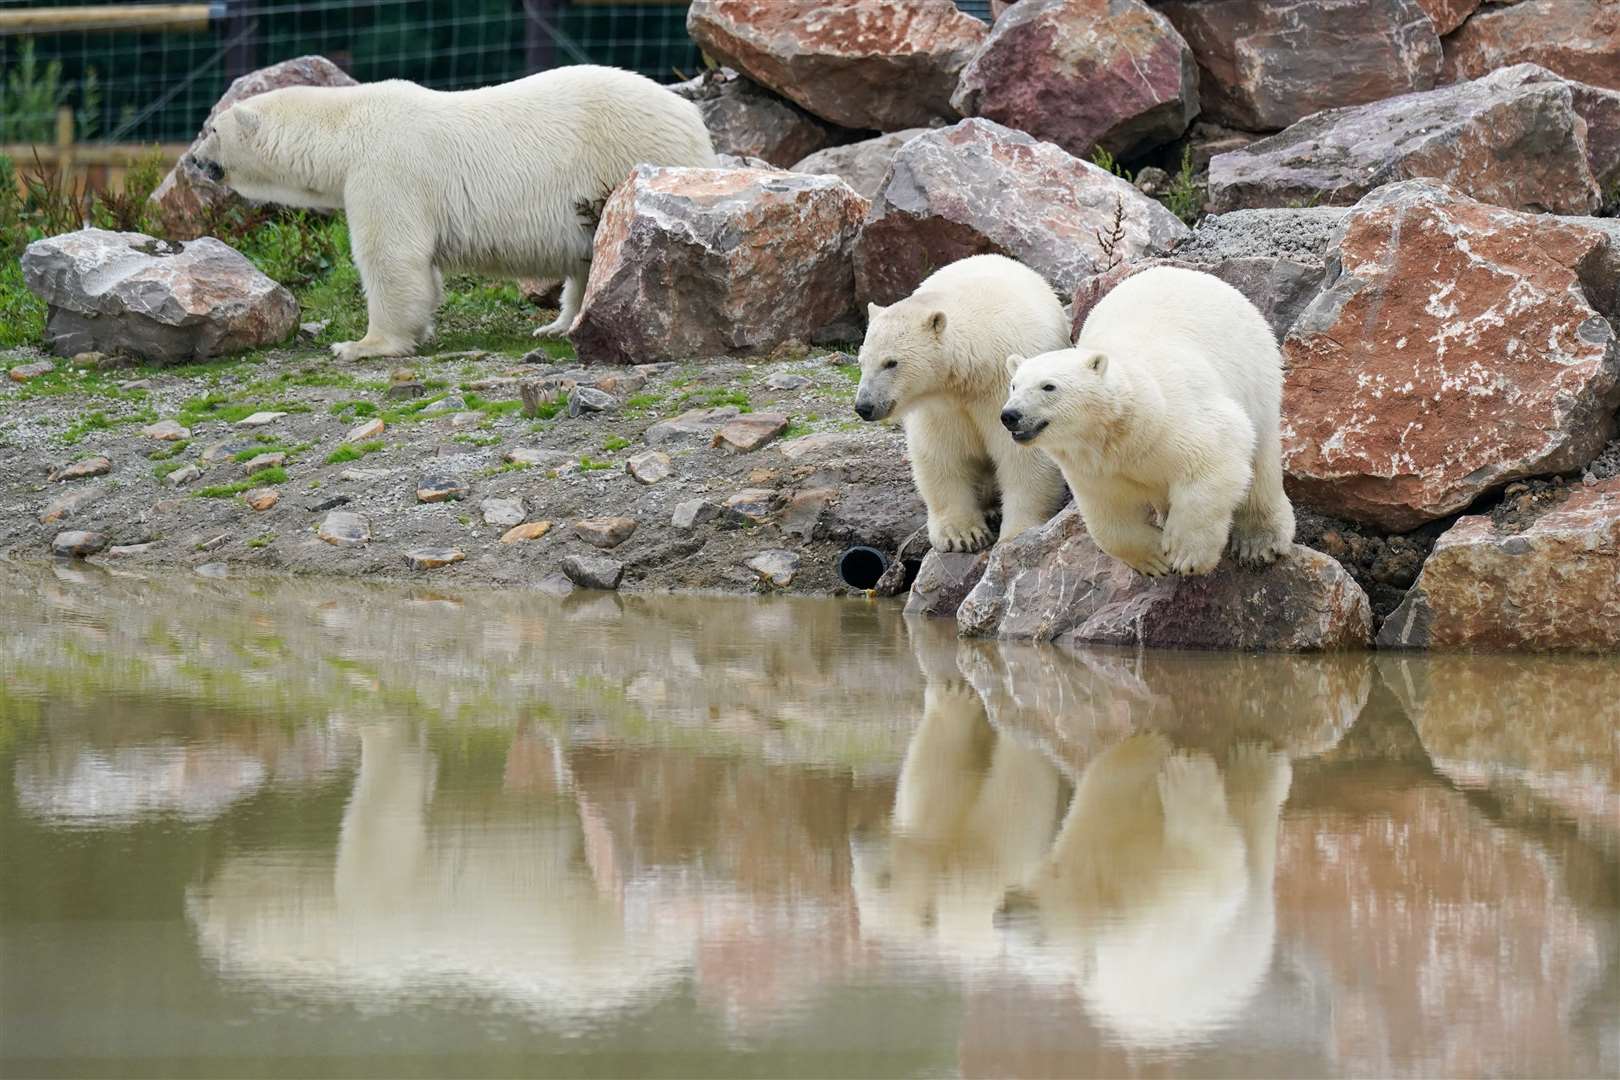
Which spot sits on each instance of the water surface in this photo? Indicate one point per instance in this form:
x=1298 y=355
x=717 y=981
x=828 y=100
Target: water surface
x=315 y=828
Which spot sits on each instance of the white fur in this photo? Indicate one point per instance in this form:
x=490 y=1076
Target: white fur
x=1167 y=405
x=948 y=342
x=501 y=180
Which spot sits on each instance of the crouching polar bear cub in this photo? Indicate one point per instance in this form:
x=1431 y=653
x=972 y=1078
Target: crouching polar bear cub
x=1168 y=402
x=937 y=360
x=499 y=180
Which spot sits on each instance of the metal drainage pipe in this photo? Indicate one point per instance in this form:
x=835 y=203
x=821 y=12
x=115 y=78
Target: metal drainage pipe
x=859 y=567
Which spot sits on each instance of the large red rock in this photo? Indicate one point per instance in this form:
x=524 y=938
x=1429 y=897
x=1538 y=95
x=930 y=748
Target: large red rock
x=187 y=201
x=1084 y=74
x=1554 y=585
x=857 y=63
x=1579 y=39
x=1055 y=583
x=1460 y=346
x=862 y=165
x=1520 y=137
x=1447 y=15
x=1264 y=65
x=748 y=121
x=698 y=262
x=978 y=188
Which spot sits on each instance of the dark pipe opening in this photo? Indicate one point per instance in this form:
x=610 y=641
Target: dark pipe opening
x=860 y=567
x=912 y=566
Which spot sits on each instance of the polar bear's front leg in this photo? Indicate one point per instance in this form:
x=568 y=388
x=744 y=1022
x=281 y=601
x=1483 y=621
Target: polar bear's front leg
x=1124 y=532
x=945 y=455
x=573 y=292
x=1031 y=487
x=401 y=286
x=1213 y=482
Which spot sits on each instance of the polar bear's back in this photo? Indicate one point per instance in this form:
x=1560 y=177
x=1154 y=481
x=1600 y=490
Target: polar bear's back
x=996 y=306
x=1198 y=334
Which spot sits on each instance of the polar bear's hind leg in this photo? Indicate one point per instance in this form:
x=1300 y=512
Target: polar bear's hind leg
x=572 y=293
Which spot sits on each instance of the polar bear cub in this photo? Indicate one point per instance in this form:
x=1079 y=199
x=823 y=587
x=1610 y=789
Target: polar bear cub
x=1168 y=403
x=936 y=360
x=500 y=180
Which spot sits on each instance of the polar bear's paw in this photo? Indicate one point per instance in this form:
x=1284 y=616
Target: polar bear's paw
x=555 y=329
x=1192 y=551
x=359 y=350
x=959 y=535
x=1258 y=548
x=1258 y=774
x=1190 y=789
x=1146 y=563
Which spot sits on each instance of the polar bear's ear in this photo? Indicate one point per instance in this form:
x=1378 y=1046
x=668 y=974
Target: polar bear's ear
x=936 y=323
x=872 y=312
x=1097 y=363
x=1013 y=360
x=248 y=121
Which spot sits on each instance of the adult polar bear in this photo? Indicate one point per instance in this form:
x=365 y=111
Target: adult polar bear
x=1169 y=400
x=497 y=180
x=937 y=360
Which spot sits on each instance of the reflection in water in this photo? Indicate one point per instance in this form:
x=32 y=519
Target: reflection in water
x=321 y=828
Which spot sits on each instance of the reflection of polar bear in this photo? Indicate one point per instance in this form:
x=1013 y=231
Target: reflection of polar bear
x=973 y=814
x=1168 y=401
x=1158 y=894
x=937 y=360
x=499 y=180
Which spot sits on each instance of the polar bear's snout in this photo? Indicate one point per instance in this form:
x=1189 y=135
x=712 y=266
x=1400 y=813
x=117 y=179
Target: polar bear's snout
x=1021 y=427
x=867 y=405
x=211 y=169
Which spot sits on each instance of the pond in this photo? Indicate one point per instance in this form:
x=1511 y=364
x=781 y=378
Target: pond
x=302 y=827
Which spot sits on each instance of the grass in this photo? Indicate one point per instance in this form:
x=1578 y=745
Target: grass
x=262 y=540
x=713 y=398
x=164 y=468
x=263 y=478
x=354 y=408
x=224 y=408
x=172 y=450
x=270 y=446
x=100 y=421
x=548 y=409
x=354 y=451
x=614 y=443
x=589 y=464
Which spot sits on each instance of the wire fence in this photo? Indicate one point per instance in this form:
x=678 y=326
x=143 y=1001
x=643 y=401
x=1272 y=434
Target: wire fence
x=143 y=73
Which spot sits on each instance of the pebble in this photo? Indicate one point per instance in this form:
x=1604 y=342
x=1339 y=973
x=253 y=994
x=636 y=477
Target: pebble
x=593 y=571
x=556 y=585
x=786 y=380
x=532 y=455
x=331 y=502
x=343 y=528
x=65 y=505
x=185 y=474
x=605 y=532
x=135 y=384
x=224 y=449
x=309 y=331
x=368 y=430
x=804 y=510
x=365 y=476
x=432 y=489
x=88 y=359
x=213 y=542
x=167 y=431
x=24 y=372
x=470 y=419
x=691 y=425
x=776 y=566
x=79 y=470
x=261 y=498
x=452 y=403
x=260 y=419
x=838 y=359
x=587 y=399
x=503 y=511
x=431 y=558
x=215 y=570
x=692 y=513
x=649 y=466
x=748 y=433
x=756 y=504
x=121 y=550
x=400 y=391
x=77 y=543
x=264 y=461
x=531 y=530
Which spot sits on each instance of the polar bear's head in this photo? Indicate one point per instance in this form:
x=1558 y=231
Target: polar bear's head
x=901 y=356
x=1063 y=395
x=268 y=149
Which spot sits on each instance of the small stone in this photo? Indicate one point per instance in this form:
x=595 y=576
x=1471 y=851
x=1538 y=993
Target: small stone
x=185 y=474
x=368 y=430
x=268 y=460
x=309 y=331
x=65 y=505
x=605 y=532
x=503 y=511
x=692 y=513
x=167 y=431
x=804 y=512
x=215 y=570
x=121 y=550
x=556 y=585
x=88 y=359
x=453 y=403
x=260 y=419
x=261 y=498
x=434 y=489
x=764 y=477
x=217 y=540
x=431 y=558
x=532 y=455
x=331 y=502
x=620 y=385
x=24 y=372
x=343 y=529
x=786 y=380
x=530 y=530
x=776 y=566
x=1152 y=180
x=748 y=433
x=135 y=384
x=469 y=419
x=365 y=476
x=944 y=581
x=593 y=571
x=78 y=543
x=649 y=466
x=756 y=504
x=586 y=399
x=94 y=466
x=402 y=390
x=690 y=426
x=224 y=449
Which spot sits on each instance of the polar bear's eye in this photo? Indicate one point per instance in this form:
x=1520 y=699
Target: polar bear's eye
x=1048 y=387
x=889 y=364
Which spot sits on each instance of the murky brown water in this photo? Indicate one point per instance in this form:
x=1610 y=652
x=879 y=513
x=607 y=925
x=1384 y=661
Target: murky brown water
x=315 y=828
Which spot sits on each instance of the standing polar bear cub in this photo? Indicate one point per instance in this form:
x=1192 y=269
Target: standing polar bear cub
x=937 y=361
x=500 y=180
x=1167 y=403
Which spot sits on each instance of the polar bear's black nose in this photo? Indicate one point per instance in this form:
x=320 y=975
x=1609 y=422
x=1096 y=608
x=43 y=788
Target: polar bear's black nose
x=1010 y=419
x=864 y=410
